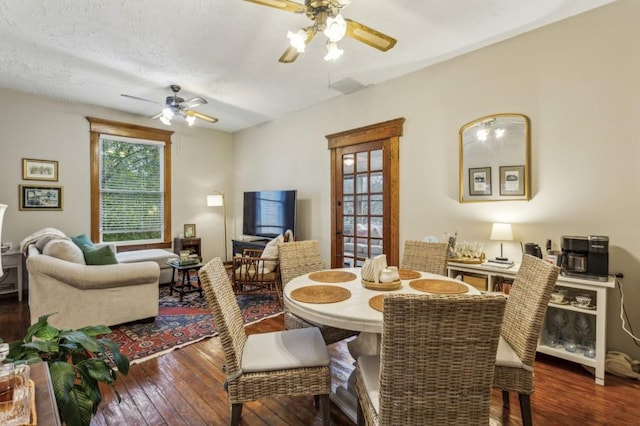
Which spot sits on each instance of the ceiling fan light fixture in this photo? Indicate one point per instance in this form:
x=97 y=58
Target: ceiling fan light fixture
x=298 y=40
x=166 y=121
x=333 y=52
x=190 y=120
x=336 y=28
x=168 y=113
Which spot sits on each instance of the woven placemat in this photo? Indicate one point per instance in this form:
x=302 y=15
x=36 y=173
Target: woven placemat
x=377 y=302
x=408 y=274
x=320 y=294
x=438 y=286
x=332 y=276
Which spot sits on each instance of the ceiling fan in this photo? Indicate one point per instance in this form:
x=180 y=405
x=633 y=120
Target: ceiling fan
x=176 y=106
x=326 y=18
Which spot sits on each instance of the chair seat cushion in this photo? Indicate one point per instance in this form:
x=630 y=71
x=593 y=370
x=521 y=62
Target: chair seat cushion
x=282 y=350
x=507 y=357
x=369 y=366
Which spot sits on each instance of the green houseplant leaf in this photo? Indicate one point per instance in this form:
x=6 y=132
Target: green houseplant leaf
x=77 y=362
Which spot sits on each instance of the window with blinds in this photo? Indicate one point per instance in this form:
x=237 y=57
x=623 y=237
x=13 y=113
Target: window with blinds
x=131 y=190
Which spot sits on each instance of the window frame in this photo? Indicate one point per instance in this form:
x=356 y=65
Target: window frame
x=97 y=127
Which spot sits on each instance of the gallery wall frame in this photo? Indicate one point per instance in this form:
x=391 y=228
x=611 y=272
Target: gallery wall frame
x=512 y=180
x=45 y=170
x=40 y=197
x=480 y=181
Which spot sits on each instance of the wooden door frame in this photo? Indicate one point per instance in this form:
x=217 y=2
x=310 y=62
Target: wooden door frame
x=389 y=133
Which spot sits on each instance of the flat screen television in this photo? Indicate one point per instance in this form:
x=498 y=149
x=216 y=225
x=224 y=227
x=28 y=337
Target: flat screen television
x=268 y=214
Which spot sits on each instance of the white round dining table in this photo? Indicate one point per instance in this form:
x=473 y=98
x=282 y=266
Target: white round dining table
x=353 y=313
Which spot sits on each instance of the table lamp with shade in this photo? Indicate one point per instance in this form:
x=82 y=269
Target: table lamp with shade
x=501 y=232
x=217 y=200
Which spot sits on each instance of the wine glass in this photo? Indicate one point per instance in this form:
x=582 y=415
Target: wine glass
x=582 y=326
x=560 y=320
x=556 y=321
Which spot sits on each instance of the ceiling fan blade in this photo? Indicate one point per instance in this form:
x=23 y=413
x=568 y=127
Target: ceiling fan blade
x=201 y=116
x=155 y=117
x=291 y=54
x=286 y=5
x=367 y=35
x=142 y=99
x=193 y=102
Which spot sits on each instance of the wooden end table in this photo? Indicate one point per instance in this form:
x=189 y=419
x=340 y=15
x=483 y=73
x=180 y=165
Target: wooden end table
x=186 y=286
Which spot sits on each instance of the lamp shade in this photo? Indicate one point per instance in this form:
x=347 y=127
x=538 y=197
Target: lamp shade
x=215 y=200
x=501 y=232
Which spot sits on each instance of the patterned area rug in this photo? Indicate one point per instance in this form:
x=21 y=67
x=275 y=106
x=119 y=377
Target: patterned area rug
x=182 y=323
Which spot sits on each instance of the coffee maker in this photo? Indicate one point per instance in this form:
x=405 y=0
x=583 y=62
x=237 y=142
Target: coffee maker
x=585 y=257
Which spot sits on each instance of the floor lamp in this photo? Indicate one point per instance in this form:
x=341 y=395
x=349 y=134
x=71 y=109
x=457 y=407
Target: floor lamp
x=217 y=200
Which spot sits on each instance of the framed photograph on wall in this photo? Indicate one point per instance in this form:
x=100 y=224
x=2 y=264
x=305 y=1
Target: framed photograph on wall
x=40 y=197
x=512 y=180
x=39 y=170
x=189 y=230
x=480 y=181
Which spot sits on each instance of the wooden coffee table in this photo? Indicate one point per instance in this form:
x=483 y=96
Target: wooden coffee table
x=186 y=286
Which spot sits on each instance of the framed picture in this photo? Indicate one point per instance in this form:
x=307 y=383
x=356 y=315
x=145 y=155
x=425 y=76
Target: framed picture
x=512 y=180
x=39 y=169
x=480 y=181
x=189 y=230
x=40 y=197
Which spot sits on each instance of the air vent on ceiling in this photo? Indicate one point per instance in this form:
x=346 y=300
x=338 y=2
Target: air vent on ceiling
x=346 y=85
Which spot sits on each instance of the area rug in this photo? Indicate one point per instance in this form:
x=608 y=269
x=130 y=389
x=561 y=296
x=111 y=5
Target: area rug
x=182 y=323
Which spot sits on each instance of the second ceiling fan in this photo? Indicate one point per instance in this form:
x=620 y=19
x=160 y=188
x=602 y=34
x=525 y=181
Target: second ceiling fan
x=175 y=106
x=327 y=19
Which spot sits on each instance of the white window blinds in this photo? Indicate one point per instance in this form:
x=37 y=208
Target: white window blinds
x=131 y=190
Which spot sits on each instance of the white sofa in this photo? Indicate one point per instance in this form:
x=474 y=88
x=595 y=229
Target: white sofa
x=85 y=295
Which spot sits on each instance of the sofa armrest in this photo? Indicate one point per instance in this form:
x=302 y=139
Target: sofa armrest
x=93 y=276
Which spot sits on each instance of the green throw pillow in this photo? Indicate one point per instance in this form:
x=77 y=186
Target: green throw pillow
x=84 y=242
x=100 y=256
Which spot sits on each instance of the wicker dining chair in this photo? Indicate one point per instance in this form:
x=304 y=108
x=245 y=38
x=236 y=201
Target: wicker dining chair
x=425 y=256
x=299 y=258
x=281 y=363
x=436 y=361
x=523 y=319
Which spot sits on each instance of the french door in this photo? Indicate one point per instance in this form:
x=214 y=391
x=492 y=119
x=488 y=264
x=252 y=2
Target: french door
x=364 y=189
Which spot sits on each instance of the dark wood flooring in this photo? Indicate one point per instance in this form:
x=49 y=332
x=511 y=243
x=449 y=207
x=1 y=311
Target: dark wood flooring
x=184 y=387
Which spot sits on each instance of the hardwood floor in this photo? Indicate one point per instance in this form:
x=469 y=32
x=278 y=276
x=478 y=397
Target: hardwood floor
x=184 y=387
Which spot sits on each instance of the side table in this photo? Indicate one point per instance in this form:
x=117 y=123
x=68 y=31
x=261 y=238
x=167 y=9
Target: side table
x=194 y=245
x=12 y=259
x=46 y=407
x=186 y=286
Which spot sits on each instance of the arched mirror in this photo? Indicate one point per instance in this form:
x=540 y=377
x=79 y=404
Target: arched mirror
x=494 y=159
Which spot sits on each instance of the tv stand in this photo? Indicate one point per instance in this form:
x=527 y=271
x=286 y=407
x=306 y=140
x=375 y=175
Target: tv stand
x=239 y=245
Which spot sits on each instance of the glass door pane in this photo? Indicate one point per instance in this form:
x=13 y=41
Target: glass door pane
x=362 y=202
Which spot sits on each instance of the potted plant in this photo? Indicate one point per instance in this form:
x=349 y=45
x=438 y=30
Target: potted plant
x=77 y=362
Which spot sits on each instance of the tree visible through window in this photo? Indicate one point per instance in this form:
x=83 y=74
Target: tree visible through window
x=131 y=190
x=130 y=184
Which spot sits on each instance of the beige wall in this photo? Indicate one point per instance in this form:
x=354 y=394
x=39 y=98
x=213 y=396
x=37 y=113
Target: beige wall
x=35 y=127
x=578 y=82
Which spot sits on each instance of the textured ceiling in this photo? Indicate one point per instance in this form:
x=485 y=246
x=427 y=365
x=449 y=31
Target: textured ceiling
x=227 y=50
